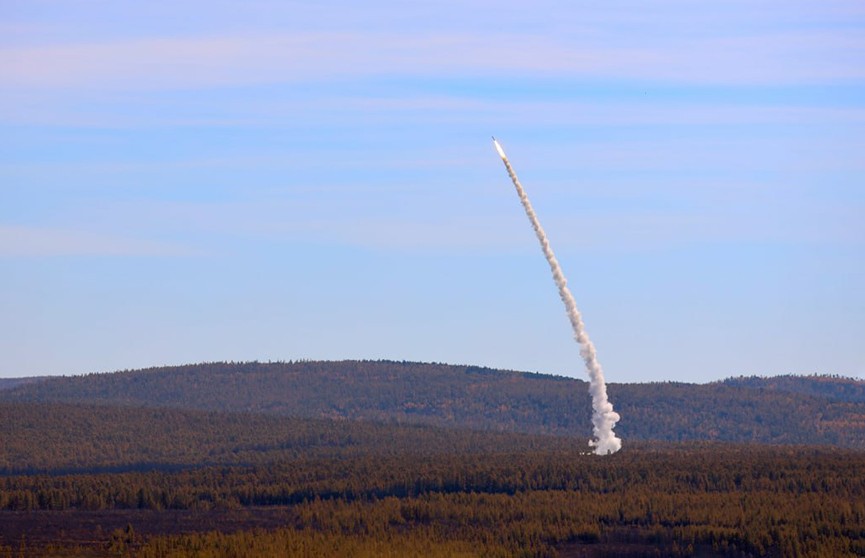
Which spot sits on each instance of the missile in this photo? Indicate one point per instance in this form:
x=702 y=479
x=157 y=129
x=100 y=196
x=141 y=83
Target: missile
x=603 y=417
x=499 y=148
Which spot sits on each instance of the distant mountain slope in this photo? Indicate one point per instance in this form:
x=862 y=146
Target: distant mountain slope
x=9 y=383
x=470 y=397
x=830 y=387
x=380 y=390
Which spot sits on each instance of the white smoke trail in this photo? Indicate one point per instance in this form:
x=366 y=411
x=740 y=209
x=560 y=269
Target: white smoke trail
x=603 y=417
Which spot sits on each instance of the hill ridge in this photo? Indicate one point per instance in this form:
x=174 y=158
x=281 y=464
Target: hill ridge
x=480 y=398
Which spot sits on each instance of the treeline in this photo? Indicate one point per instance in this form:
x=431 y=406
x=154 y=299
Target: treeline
x=706 y=500
x=669 y=470
x=540 y=523
x=788 y=411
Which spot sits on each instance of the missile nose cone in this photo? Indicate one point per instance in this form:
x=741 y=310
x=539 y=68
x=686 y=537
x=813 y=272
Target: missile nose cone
x=499 y=149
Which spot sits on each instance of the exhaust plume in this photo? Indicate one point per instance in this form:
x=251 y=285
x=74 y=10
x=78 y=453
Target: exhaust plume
x=603 y=417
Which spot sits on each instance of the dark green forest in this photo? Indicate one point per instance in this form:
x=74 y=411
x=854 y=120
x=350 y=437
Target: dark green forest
x=404 y=459
x=61 y=437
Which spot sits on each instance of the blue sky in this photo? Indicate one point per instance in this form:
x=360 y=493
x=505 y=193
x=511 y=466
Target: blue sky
x=199 y=181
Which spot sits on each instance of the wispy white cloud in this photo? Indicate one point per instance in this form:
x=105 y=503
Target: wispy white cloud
x=190 y=62
x=352 y=109
x=36 y=241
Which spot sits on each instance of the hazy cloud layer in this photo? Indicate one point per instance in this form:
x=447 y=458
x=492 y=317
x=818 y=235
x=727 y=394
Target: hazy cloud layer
x=194 y=62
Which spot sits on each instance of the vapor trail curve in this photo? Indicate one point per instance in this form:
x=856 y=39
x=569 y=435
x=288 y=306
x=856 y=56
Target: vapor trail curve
x=604 y=418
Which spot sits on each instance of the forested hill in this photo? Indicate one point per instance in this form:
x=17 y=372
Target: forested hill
x=9 y=383
x=828 y=386
x=480 y=398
